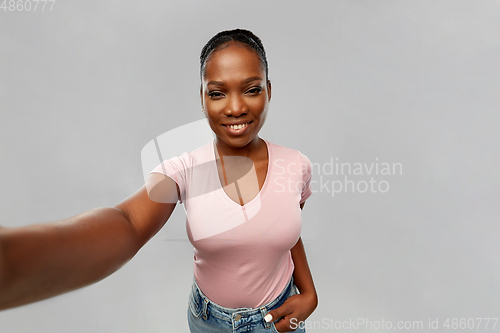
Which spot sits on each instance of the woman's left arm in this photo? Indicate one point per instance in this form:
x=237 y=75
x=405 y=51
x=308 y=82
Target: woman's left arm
x=302 y=275
x=297 y=307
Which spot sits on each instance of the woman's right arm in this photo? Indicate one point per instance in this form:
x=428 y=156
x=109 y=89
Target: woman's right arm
x=44 y=260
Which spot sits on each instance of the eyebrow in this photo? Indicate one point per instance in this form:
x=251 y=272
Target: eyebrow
x=250 y=79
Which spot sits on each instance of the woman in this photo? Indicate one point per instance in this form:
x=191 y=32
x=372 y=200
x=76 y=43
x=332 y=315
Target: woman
x=249 y=257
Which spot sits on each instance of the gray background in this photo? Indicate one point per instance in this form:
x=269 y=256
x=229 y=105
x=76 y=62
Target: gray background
x=84 y=87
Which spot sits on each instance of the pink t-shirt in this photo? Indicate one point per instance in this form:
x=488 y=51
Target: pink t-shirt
x=242 y=254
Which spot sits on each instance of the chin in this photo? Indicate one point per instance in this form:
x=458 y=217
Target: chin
x=238 y=142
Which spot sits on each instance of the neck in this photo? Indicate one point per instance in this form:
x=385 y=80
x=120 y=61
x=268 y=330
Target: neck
x=249 y=150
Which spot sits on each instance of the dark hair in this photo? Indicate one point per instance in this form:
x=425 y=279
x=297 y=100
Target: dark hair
x=246 y=37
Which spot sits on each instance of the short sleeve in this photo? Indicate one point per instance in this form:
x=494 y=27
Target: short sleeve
x=175 y=168
x=306 y=172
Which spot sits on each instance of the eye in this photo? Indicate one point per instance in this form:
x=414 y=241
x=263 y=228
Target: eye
x=254 y=90
x=215 y=94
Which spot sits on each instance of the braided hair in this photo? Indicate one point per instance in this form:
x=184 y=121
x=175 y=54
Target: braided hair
x=224 y=38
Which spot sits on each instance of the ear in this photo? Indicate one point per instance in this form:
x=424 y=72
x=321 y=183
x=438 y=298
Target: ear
x=268 y=90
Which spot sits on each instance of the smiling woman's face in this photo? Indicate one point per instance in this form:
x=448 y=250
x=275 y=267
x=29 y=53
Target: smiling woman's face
x=235 y=95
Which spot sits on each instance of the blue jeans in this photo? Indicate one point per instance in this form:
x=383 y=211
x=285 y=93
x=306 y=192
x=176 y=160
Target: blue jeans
x=205 y=316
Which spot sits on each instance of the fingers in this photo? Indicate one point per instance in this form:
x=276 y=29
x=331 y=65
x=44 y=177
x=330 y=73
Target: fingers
x=286 y=324
x=279 y=312
x=288 y=315
x=285 y=313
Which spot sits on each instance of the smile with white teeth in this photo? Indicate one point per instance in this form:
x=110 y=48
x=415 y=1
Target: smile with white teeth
x=240 y=126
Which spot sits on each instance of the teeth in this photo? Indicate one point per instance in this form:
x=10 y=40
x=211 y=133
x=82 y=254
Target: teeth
x=237 y=127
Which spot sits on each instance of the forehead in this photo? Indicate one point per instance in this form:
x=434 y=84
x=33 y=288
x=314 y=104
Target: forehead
x=233 y=62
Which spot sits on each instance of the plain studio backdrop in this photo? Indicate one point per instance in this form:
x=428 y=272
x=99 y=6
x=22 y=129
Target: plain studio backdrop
x=366 y=85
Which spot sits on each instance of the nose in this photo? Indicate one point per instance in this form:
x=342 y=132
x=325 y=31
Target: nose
x=236 y=106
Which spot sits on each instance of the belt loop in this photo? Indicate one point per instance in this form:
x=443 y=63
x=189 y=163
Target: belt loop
x=205 y=308
x=263 y=310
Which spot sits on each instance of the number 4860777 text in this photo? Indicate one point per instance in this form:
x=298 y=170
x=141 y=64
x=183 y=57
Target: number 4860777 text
x=27 y=5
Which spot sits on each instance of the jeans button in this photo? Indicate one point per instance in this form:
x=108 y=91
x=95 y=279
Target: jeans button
x=237 y=317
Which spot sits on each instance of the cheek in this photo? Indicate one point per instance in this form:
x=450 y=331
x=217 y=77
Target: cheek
x=214 y=118
x=258 y=105
x=214 y=108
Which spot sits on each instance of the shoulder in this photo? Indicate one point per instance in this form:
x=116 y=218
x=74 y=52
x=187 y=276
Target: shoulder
x=283 y=152
x=289 y=159
x=196 y=156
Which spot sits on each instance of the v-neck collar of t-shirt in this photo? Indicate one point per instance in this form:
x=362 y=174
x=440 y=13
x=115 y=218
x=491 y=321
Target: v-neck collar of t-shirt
x=264 y=186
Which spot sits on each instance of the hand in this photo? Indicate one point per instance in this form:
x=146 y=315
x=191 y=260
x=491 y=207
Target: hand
x=293 y=311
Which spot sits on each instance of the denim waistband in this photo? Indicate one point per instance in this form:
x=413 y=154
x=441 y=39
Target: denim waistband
x=239 y=316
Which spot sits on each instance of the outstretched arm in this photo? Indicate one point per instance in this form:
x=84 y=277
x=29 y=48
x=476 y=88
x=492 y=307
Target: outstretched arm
x=44 y=260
